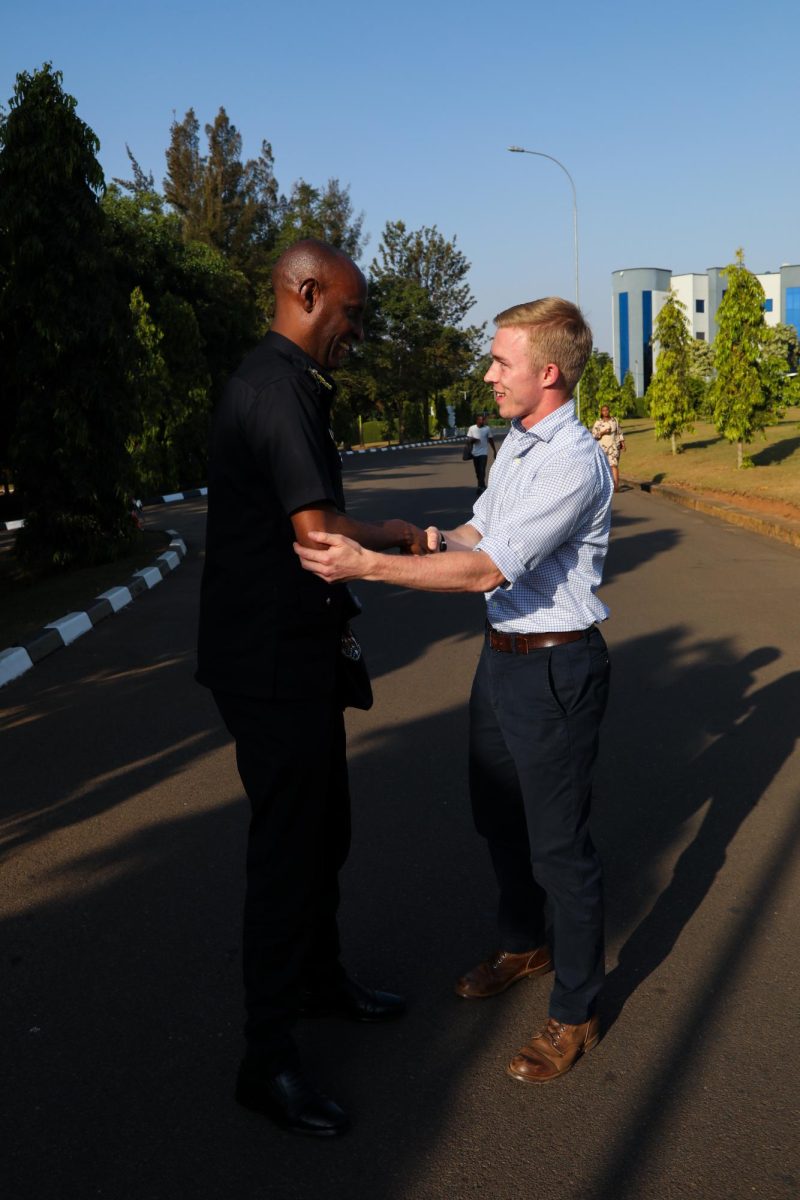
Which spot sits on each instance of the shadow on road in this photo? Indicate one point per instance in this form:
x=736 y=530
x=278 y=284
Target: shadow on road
x=123 y=998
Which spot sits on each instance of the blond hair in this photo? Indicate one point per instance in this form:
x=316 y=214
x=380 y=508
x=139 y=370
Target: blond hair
x=557 y=333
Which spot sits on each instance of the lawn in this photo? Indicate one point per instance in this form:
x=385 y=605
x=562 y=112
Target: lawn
x=26 y=607
x=707 y=462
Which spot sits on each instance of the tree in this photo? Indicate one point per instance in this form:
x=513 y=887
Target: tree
x=627 y=396
x=326 y=214
x=399 y=350
x=668 y=394
x=427 y=258
x=419 y=296
x=747 y=393
x=184 y=182
x=222 y=201
x=62 y=333
x=590 y=381
x=142 y=183
x=203 y=319
x=782 y=343
x=608 y=390
x=701 y=372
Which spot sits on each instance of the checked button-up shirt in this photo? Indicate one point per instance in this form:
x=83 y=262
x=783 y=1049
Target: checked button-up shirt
x=544 y=522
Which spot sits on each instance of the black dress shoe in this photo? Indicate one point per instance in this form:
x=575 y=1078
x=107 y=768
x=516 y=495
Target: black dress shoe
x=353 y=1001
x=289 y=1100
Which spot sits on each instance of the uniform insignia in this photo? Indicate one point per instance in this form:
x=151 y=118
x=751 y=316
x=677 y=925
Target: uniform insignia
x=315 y=375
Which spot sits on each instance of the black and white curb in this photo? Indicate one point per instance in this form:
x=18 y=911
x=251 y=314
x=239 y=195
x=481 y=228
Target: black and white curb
x=448 y=441
x=173 y=497
x=56 y=634
x=170 y=498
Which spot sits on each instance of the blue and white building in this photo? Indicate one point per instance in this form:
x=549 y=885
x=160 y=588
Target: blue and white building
x=639 y=292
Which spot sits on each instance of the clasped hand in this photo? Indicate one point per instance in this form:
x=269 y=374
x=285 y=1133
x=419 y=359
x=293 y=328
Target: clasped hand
x=338 y=559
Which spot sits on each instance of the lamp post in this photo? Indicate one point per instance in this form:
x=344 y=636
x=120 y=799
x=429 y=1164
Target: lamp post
x=541 y=154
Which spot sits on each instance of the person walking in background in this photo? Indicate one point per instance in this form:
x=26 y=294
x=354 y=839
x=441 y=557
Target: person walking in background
x=481 y=436
x=535 y=546
x=606 y=430
x=269 y=647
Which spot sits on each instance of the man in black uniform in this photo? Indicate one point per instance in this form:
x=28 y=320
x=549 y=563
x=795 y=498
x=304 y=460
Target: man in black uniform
x=269 y=642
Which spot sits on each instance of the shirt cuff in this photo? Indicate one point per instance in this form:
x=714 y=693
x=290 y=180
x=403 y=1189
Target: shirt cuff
x=503 y=557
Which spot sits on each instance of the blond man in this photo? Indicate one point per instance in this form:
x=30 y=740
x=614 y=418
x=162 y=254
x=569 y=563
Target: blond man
x=535 y=545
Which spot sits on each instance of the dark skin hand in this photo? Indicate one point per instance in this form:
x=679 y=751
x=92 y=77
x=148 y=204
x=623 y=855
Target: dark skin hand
x=378 y=535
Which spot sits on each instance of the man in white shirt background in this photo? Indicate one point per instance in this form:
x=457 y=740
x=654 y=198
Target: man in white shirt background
x=481 y=436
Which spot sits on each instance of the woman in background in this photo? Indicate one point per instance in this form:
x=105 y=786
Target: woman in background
x=607 y=431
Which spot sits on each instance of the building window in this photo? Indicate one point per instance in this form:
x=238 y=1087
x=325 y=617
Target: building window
x=699 y=306
x=768 y=306
x=793 y=307
x=647 y=333
x=700 y=337
x=624 y=340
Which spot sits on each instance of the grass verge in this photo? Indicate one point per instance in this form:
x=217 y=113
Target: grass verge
x=707 y=462
x=26 y=606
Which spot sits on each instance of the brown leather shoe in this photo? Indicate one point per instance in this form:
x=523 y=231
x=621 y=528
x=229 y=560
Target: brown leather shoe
x=553 y=1050
x=501 y=970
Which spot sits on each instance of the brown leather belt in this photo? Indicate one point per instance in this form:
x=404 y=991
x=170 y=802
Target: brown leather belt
x=524 y=643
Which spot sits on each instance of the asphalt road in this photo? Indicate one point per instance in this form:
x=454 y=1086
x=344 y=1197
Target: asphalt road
x=123 y=826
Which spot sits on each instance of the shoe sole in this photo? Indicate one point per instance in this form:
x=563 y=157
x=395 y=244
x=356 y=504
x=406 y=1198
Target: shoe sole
x=560 y=1074
x=544 y=969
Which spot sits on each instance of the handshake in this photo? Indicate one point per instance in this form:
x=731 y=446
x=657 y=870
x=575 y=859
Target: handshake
x=413 y=540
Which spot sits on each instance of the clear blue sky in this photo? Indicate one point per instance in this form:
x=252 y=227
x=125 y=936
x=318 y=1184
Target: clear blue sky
x=678 y=122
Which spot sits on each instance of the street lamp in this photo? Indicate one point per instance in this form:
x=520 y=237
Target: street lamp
x=541 y=154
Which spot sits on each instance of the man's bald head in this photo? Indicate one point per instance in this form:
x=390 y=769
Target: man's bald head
x=319 y=300
x=309 y=259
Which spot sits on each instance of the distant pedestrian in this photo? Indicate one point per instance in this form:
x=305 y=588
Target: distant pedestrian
x=481 y=435
x=606 y=430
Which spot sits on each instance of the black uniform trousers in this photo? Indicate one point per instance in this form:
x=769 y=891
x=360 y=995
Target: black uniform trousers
x=291 y=757
x=534 y=731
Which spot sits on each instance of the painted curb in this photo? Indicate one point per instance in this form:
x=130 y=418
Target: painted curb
x=782 y=529
x=63 y=631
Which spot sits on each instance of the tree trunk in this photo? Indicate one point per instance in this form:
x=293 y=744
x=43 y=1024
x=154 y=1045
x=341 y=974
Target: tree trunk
x=739 y=453
x=674 y=444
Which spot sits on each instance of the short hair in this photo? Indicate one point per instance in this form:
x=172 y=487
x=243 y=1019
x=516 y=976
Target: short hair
x=557 y=333
x=309 y=258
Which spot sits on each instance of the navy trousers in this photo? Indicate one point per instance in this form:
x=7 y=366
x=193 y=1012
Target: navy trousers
x=534 y=731
x=291 y=760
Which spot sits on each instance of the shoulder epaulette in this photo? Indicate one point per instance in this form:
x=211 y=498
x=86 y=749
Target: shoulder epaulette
x=316 y=375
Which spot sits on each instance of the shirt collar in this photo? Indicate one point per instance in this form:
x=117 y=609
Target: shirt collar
x=546 y=429
x=297 y=356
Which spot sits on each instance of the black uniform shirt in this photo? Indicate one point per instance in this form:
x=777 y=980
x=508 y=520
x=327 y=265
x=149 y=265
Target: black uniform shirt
x=267 y=627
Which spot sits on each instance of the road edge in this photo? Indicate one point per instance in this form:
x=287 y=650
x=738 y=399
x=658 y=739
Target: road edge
x=782 y=529
x=63 y=631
